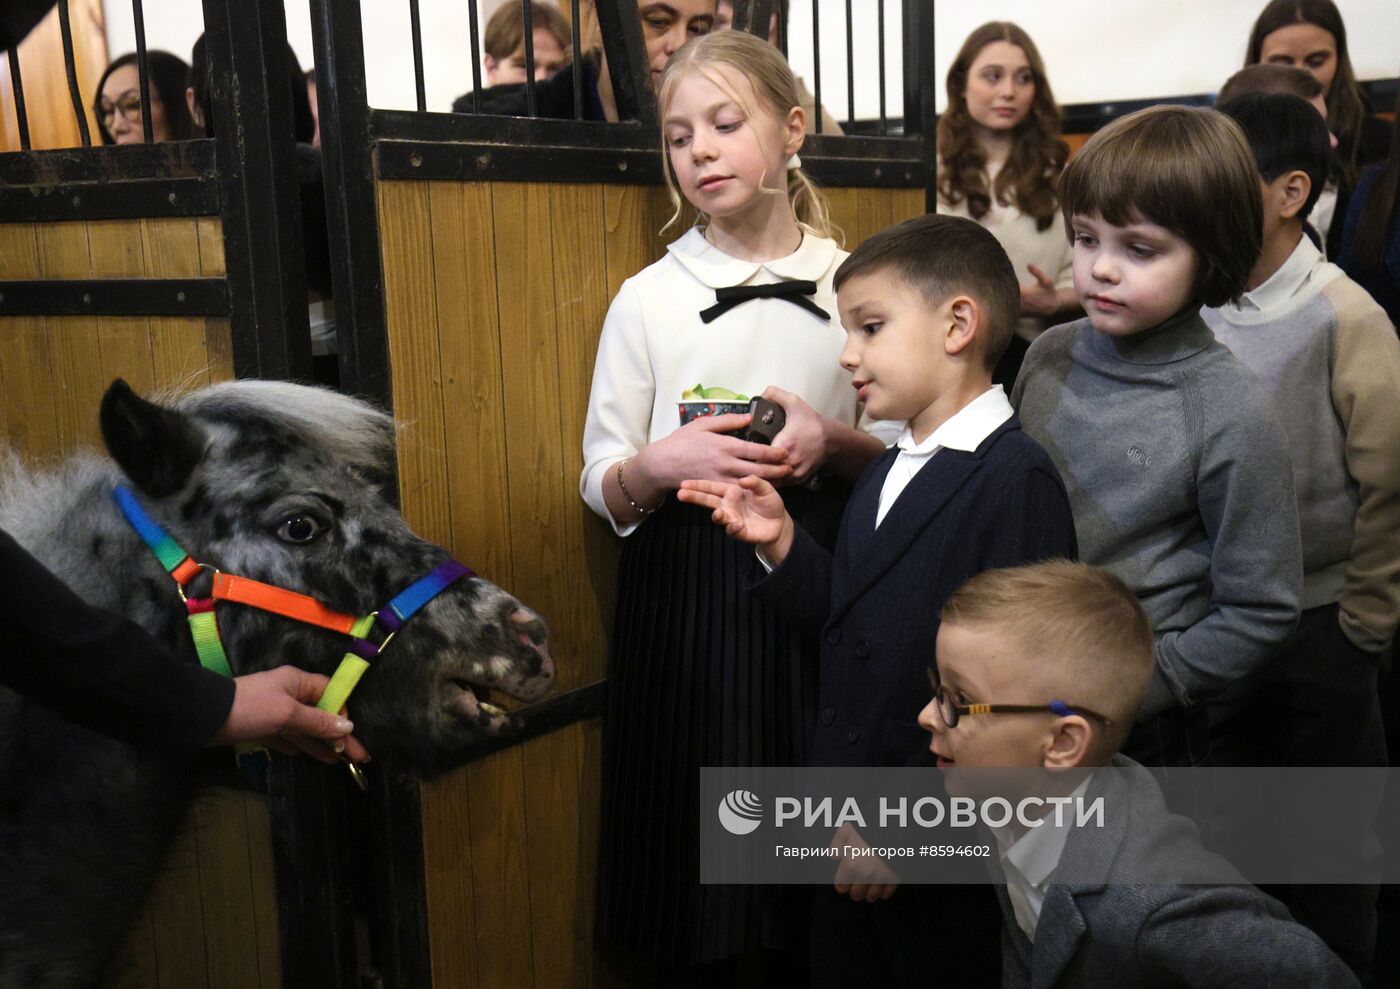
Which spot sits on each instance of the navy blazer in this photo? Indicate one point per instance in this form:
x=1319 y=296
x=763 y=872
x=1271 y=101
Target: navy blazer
x=875 y=603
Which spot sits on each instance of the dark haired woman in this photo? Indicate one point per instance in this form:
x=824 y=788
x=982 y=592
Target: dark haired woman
x=1371 y=239
x=118 y=101
x=1309 y=34
x=999 y=158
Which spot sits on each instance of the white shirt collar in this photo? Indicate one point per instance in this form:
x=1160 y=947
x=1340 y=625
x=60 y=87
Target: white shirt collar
x=715 y=269
x=1036 y=854
x=1283 y=284
x=966 y=429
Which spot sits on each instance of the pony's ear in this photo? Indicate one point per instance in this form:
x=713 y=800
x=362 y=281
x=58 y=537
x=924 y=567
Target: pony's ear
x=157 y=447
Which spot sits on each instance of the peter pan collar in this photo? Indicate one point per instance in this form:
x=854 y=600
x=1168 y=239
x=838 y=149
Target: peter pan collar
x=715 y=269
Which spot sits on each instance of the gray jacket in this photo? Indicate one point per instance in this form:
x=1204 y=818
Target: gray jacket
x=1129 y=929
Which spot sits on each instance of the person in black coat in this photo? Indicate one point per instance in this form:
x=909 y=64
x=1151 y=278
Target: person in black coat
x=108 y=674
x=928 y=306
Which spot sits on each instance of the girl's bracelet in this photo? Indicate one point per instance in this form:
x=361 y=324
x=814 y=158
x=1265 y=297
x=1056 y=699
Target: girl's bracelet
x=622 y=486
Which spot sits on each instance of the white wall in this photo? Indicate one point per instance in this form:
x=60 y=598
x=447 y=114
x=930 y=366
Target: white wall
x=1093 y=49
x=1132 y=49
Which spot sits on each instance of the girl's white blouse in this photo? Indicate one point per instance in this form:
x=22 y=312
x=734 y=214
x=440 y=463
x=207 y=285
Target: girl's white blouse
x=654 y=347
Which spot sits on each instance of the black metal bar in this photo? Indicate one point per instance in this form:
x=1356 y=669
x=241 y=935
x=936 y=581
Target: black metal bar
x=527 y=23
x=850 y=67
x=760 y=14
x=258 y=193
x=817 y=63
x=743 y=20
x=115 y=297
x=783 y=28
x=112 y=164
x=880 y=29
x=143 y=70
x=548 y=136
x=463 y=161
x=627 y=60
x=474 y=32
x=417 y=26
x=919 y=82
x=65 y=25
x=137 y=199
x=576 y=59
x=347 y=158
x=21 y=114
x=547 y=716
x=313 y=861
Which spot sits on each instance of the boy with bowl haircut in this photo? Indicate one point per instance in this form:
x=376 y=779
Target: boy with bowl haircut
x=1173 y=458
x=928 y=306
x=1073 y=641
x=1328 y=356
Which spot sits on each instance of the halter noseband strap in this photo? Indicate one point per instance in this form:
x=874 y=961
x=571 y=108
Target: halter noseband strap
x=204 y=627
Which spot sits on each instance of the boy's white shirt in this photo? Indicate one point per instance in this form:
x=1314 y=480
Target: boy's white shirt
x=965 y=430
x=1291 y=278
x=1029 y=861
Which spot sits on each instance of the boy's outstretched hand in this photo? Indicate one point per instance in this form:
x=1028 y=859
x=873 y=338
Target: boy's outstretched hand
x=750 y=510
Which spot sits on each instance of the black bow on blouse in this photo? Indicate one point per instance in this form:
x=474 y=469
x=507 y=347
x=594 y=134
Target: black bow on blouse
x=795 y=292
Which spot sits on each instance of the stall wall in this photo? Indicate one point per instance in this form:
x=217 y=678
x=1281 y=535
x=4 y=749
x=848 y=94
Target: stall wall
x=495 y=296
x=211 y=918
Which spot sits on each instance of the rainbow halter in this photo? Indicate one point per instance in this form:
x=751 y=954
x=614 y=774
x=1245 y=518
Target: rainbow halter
x=204 y=626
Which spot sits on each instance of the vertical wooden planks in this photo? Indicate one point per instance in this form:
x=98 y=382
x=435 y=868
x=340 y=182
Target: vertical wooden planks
x=218 y=339
x=470 y=339
x=19 y=258
x=179 y=353
x=266 y=944
x=124 y=342
x=410 y=301
x=907 y=204
x=462 y=259
x=71 y=340
x=225 y=891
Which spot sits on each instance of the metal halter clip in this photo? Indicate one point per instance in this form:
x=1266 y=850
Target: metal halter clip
x=358 y=775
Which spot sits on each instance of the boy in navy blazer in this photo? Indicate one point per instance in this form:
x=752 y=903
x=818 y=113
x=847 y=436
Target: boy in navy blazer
x=928 y=306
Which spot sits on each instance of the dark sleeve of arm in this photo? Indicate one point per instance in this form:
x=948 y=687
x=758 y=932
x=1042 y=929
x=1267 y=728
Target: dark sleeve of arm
x=97 y=668
x=1032 y=522
x=799 y=588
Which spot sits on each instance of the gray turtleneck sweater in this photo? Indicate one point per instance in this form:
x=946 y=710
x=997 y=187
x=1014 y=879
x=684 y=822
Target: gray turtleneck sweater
x=1179 y=479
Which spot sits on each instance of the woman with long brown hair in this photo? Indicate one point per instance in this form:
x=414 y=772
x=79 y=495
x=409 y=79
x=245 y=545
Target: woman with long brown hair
x=1310 y=34
x=999 y=158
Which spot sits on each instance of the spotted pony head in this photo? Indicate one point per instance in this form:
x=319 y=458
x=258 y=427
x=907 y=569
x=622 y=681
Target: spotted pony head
x=293 y=486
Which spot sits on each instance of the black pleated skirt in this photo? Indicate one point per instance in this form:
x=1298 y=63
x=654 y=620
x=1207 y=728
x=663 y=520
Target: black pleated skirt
x=701 y=674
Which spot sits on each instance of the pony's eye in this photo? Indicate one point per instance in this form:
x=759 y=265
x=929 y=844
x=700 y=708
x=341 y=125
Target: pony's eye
x=299 y=529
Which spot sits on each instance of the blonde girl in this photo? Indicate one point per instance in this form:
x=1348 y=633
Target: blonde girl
x=999 y=158
x=701 y=674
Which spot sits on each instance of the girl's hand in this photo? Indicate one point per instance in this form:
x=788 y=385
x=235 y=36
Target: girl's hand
x=804 y=436
x=1040 y=297
x=699 y=450
x=751 y=511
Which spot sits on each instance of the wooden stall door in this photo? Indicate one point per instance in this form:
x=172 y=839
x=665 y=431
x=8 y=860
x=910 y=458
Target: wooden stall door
x=211 y=919
x=495 y=296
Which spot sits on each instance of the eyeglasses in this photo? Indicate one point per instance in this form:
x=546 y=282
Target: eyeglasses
x=128 y=104
x=951 y=711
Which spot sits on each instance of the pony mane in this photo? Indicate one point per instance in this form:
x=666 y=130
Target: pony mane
x=346 y=429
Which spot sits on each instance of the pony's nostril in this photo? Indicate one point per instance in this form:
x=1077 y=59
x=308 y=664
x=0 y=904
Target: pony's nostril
x=530 y=628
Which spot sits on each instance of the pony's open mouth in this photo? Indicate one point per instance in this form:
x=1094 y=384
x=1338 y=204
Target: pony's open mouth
x=467 y=705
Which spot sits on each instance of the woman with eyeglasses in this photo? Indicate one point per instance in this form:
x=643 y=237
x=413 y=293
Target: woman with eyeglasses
x=118 y=101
